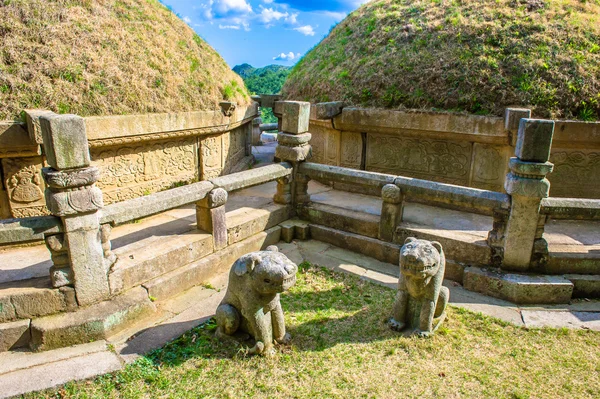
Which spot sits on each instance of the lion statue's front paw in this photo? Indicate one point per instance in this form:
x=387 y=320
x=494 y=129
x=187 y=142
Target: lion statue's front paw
x=396 y=325
x=285 y=340
x=423 y=334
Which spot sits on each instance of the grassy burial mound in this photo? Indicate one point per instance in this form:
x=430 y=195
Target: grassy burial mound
x=470 y=55
x=107 y=57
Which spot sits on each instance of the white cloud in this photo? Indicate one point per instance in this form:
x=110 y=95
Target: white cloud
x=268 y=14
x=236 y=27
x=223 y=7
x=267 y=1
x=187 y=20
x=306 y=30
x=287 y=57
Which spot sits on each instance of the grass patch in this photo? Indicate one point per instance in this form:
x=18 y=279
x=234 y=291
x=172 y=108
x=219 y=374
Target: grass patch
x=106 y=58
x=468 y=56
x=342 y=347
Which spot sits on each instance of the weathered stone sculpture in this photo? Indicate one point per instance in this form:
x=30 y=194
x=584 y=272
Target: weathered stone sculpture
x=251 y=303
x=421 y=300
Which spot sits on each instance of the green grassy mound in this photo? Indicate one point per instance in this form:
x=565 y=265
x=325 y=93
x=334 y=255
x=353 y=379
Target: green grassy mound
x=106 y=57
x=471 y=55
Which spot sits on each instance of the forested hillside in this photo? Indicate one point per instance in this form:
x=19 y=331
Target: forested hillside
x=267 y=80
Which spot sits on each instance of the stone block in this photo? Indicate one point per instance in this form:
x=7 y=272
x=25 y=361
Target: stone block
x=14 y=335
x=29 y=298
x=518 y=288
x=534 y=140
x=296 y=117
x=91 y=323
x=242 y=225
x=302 y=231
x=512 y=118
x=293 y=154
x=65 y=141
x=585 y=286
x=32 y=117
x=293 y=140
x=364 y=224
x=328 y=110
x=268 y=100
x=287 y=231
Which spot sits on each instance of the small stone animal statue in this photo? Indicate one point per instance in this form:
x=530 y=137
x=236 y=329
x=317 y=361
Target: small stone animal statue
x=421 y=300
x=251 y=303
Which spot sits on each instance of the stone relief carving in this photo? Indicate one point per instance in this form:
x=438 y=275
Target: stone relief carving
x=131 y=172
x=433 y=159
x=351 y=149
x=333 y=145
x=25 y=187
x=576 y=174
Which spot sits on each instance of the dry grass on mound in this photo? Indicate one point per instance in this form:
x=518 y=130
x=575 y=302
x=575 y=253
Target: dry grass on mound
x=343 y=348
x=103 y=57
x=471 y=55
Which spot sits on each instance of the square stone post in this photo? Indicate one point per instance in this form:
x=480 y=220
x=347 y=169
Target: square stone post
x=256 y=122
x=392 y=209
x=211 y=217
x=512 y=118
x=72 y=196
x=293 y=146
x=527 y=185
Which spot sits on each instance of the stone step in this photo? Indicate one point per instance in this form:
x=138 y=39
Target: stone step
x=200 y=271
x=93 y=323
x=458 y=245
x=26 y=299
x=352 y=221
x=585 y=285
x=518 y=288
x=572 y=259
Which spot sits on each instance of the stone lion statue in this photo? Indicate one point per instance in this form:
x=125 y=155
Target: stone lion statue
x=421 y=300
x=251 y=303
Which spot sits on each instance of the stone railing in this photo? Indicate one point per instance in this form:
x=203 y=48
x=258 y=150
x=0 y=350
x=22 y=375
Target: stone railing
x=136 y=154
x=466 y=150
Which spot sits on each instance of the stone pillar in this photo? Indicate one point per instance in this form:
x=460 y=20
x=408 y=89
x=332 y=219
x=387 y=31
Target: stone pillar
x=392 y=209
x=512 y=118
x=72 y=196
x=293 y=146
x=256 y=122
x=527 y=185
x=284 y=191
x=211 y=217
x=495 y=237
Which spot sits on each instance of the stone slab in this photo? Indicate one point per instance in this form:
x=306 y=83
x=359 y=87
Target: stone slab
x=53 y=374
x=518 y=288
x=245 y=222
x=140 y=263
x=585 y=286
x=14 y=335
x=18 y=360
x=561 y=319
x=65 y=141
x=342 y=219
x=29 y=298
x=95 y=322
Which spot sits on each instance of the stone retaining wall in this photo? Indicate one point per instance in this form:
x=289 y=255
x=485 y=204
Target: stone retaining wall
x=137 y=154
x=466 y=150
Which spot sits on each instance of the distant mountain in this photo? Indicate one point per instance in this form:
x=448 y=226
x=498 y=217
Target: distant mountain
x=267 y=80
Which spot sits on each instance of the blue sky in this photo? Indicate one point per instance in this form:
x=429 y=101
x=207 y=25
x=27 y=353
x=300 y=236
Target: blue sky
x=262 y=32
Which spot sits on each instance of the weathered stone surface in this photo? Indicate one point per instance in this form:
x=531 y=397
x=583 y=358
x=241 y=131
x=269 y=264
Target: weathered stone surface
x=92 y=323
x=32 y=118
x=287 y=231
x=293 y=140
x=71 y=178
x=302 y=231
x=14 y=335
x=342 y=219
x=137 y=265
x=532 y=169
x=87 y=258
x=251 y=303
x=213 y=221
x=585 y=286
x=228 y=108
x=526 y=187
x=65 y=141
x=512 y=118
x=29 y=298
x=24 y=187
x=520 y=233
x=534 y=140
x=385 y=252
x=215 y=198
x=293 y=154
x=296 y=117
x=518 y=288
x=391 y=211
x=328 y=110
x=284 y=191
x=252 y=177
x=268 y=100
x=73 y=202
x=421 y=300
x=391 y=193
x=200 y=271
x=243 y=224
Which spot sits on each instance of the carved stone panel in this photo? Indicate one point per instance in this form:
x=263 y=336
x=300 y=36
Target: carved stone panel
x=136 y=170
x=236 y=148
x=317 y=142
x=443 y=161
x=351 y=150
x=332 y=153
x=211 y=162
x=24 y=186
x=490 y=166
x=576 y=173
